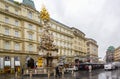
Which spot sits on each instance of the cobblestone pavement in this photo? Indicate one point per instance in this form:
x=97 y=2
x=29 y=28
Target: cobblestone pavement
x=96 y=74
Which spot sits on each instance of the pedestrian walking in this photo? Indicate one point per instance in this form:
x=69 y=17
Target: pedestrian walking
x=57 y=71
x=22 y=71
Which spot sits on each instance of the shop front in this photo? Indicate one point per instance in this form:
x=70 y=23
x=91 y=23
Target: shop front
x=7 y=64
x=17 y=64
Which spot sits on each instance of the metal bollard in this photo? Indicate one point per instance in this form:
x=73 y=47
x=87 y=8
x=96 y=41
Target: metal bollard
x=30 y=74
x=15 y=74
x=72 y=72
x=54 y=73
x=48 y=74
x=26 y=71
x=63 y=72
x=35 y=71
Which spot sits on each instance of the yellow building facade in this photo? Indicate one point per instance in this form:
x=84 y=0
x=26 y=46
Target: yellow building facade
x=117 y=54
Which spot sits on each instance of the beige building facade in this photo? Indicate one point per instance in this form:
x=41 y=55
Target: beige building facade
x=79 y=45
x=63 y=39
x=18 y=35
x=117 y=54
x=92 y=51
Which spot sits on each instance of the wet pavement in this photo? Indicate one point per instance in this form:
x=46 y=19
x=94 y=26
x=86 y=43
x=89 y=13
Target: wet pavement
x=96 y=74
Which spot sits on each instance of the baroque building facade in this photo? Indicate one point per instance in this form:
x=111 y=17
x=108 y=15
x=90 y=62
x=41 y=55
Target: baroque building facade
x=20 y=36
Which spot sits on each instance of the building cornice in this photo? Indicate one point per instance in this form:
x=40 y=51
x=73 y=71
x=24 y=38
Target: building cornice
x=60 y=24
x=8 y=13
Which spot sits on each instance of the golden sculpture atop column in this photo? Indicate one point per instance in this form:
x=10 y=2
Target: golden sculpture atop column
x=47 y=47
x=44 y=15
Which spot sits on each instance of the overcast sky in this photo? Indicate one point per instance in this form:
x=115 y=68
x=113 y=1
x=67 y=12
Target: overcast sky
x=98 y=19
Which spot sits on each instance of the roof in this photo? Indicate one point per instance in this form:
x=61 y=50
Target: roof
x=60 y=23
x=10 y=0
x=111 y=48
x=29 y=3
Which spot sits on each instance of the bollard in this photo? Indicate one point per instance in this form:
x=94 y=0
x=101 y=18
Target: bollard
x=30 y=74
x=48 y=74
x=35 y=71
x=62 y=72
x=26 y=71
x=16 y=74
x=54 y=73
x=72 y=72
x=89 y=70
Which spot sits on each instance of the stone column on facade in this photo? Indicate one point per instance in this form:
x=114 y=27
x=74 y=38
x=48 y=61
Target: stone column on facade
x=12 y=64
x=1 y=65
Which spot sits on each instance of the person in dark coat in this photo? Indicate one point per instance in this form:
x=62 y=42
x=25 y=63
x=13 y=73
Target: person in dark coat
x=57 y=71
x=22 y=71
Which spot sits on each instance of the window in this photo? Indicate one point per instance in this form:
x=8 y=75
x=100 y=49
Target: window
x=17 y=46
x=6 y=20
x=16 y=33
x=40 y=39
x=16 y=11
x=6 y=31
x=7 y=45
x=40 y=30
x=30 y=26
x=30 y=36
x=16 y=22
x=6 y=8
x=30 y=47
x=30 y=14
